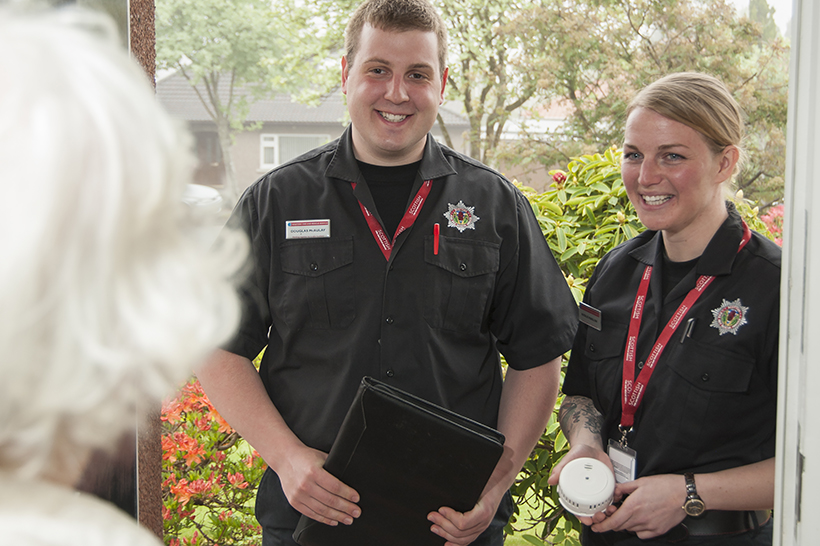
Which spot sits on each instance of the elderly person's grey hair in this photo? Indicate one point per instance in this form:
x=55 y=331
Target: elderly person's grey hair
x=106 y=302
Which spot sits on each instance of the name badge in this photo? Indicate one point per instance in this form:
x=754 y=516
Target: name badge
x=307 y=229
x=590 y=316
x=624 y=461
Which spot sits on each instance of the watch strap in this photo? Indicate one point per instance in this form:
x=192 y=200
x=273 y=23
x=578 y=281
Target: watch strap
x=691 y=489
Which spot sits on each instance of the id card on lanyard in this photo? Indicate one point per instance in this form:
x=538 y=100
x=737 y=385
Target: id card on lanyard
x=632 y=390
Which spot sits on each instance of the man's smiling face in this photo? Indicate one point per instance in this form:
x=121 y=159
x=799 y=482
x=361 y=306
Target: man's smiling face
x=394 y=88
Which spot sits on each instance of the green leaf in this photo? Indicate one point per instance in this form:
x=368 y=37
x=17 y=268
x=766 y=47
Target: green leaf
x=552 y=207
x=560 y=442
x=570 y=252
x=562 y=238
x=535 y=541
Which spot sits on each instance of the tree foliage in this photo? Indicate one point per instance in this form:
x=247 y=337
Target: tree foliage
x=510 y=60
x=592 y=56
x=226 y=50
x=486 y=76
x=762 y=13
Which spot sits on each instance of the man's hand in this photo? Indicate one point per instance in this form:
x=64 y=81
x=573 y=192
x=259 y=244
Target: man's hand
x=236 y=390
x=652 y=506
x=461 y=529
x=314 y=492
x=527 y=400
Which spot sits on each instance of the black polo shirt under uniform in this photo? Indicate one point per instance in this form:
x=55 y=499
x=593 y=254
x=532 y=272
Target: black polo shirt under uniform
x=331 y=309
x=710 y=404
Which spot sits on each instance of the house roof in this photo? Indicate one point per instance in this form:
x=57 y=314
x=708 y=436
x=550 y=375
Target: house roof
x=178 y=97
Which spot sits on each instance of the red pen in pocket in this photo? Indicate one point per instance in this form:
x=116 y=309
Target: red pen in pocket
x=436 y=230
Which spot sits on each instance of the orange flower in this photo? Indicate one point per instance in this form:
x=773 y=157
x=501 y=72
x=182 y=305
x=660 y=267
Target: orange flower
x=238 y=480
x=182 y=492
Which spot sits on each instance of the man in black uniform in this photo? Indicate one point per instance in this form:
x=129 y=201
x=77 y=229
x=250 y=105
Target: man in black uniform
x=386 y=254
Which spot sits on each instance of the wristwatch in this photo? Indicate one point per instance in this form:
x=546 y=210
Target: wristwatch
x=694 y=505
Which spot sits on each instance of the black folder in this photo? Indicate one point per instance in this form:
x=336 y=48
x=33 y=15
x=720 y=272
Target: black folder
x=406 y=457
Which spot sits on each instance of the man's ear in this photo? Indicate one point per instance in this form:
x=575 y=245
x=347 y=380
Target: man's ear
x=443 y=84
x=344 y=74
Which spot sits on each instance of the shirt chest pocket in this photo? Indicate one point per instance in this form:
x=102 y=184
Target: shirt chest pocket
x=711 y=369
x=710 y=403
x=458 y=283
x=317 y=289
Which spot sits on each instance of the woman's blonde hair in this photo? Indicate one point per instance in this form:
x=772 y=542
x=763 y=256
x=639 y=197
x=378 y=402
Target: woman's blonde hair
x=699 y=101
x=106 y=298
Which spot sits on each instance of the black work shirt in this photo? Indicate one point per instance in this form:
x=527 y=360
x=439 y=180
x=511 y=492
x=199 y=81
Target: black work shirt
x=332 y=309
x=711 y=402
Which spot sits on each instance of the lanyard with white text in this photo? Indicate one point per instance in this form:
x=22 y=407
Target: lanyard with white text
x=385 y=244
x=632 y=394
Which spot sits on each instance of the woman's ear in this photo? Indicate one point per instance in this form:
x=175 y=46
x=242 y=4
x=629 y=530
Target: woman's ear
x=729 y=157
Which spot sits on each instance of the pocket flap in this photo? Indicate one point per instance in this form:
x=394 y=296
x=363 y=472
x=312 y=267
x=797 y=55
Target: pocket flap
x=608 y=343
x=315 y=257
x=712 y=369
x=462 y=257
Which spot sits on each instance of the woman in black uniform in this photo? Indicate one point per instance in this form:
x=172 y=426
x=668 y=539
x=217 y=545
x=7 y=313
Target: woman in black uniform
x=673 y=375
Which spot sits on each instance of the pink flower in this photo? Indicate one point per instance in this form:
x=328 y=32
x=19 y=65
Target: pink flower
x=238 y=480
x=774 y=222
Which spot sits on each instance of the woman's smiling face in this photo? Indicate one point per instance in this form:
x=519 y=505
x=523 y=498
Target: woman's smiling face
x=672 y=177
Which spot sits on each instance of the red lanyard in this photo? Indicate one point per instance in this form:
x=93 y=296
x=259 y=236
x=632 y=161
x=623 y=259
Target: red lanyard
x=385 y=244
x=632 y=394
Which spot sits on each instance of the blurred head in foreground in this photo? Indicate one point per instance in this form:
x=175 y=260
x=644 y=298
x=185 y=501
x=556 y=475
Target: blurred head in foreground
x=106 y=301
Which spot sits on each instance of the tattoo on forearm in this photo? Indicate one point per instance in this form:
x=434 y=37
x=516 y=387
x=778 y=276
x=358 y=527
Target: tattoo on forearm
x=579 y=411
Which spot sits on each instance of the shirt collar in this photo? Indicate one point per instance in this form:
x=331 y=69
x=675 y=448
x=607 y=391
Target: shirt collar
x=719 y=255
x=343 y=165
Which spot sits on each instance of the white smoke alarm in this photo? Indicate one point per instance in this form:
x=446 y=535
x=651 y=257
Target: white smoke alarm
x=586 y=486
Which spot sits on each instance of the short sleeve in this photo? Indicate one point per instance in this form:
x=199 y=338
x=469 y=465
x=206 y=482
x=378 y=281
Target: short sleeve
x=251 y=337
x=534 y=315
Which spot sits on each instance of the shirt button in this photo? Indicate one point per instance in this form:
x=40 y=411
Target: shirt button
x=591 y=347
x=389 y=320
x=314 y=267
x=704 y=377
x=463 y=267
x=390 y=373
x=640 y=365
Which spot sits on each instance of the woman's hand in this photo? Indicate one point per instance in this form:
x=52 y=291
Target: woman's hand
x=576 y=452
x=651 y=506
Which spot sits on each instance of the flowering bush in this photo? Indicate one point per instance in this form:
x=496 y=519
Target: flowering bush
x=774 y=222
x=209 y=475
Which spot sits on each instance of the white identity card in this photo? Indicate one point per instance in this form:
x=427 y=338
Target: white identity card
x=307 y=229
x=624 y=461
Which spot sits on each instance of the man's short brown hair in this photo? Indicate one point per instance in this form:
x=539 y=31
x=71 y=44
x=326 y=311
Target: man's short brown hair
x=397 y=16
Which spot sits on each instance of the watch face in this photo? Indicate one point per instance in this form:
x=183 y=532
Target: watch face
x=694 y=507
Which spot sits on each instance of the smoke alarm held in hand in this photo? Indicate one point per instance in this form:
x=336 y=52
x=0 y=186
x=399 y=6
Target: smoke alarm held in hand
x=586 y=486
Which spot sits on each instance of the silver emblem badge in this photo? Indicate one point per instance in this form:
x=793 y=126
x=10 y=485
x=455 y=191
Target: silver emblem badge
x=729 y=317
x=461 y=216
